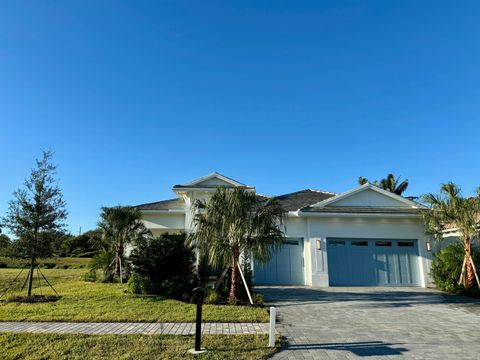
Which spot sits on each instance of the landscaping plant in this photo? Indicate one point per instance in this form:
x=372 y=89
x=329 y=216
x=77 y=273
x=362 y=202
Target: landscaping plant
x=163 y=265
x=450 y=210
x=232 y=223
x=447 y=266
x=36 y=214
x=120 y=226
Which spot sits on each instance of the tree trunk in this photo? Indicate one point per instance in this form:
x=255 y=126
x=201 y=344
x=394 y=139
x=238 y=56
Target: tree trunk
x=118 y=262
x=30 y=278
x=233 y=285
x=469 y=279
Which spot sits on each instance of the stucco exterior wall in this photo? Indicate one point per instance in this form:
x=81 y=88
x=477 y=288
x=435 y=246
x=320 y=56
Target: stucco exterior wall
x=164 y=222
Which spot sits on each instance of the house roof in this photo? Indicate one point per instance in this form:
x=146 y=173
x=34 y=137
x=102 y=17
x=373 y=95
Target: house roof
x=300 y=199
x=332 y=200
x=171 y=204
x=290 y=202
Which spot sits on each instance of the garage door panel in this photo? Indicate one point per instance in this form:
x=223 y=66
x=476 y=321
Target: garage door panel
x=366 y=262
x=285 y=268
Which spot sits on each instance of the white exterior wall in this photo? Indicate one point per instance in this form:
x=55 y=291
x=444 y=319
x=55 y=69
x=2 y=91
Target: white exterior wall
x=164 y=222
x=323 y=228
x=297 y=227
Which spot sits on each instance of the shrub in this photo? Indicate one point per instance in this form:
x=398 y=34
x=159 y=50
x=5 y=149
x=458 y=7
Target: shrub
x=447 y=266
x=213 y=297
x=139 y=285
x=258 y=300
x=102 y=261
x=84 y=245
x=90 y=275
x=163 y=266
x=232 y=300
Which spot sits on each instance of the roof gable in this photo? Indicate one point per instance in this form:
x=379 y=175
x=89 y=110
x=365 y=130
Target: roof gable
x=212 y=180
x=367 y=195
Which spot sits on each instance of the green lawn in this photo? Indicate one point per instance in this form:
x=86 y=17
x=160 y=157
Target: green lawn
x=53 y=346
x=86 y=301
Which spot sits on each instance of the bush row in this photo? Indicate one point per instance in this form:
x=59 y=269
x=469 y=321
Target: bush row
x=49 y=263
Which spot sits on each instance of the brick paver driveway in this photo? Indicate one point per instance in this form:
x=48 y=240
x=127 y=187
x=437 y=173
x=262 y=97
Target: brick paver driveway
x=382 y=323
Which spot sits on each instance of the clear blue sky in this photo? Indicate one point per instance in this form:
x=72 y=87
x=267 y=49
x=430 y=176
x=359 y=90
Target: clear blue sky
x=135 y=97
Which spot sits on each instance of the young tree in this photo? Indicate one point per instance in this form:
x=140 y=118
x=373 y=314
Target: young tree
x=390 y=183
x=450 y=209
x=234 y=222
x=35 y=213
x=120 y=225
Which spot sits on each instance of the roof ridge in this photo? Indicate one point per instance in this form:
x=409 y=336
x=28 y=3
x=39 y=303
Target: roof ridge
x=304 y=190
x=323 y=191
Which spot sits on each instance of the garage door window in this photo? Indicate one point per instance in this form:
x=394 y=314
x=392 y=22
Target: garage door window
x=383 y=243
x=291 y=242
x=405 y=243
x=337 y=243
x=359 y=243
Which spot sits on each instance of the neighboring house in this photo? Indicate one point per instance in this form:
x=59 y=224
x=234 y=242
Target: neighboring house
x=363 y=237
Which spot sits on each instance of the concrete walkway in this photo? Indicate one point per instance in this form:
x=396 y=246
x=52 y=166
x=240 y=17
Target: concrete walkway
x=377 y=323
x=133 y=328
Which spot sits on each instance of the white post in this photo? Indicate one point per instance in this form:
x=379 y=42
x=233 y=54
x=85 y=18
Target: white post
x=271 y=331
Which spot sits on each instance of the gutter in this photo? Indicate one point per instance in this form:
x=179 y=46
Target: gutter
x=350 y=215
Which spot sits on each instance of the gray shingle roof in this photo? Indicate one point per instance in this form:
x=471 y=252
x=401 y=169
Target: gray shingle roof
x=290 y=202
x=171 y=204
x=299 y=199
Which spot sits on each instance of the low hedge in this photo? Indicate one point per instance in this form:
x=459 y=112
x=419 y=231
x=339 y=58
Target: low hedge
x=49 y=263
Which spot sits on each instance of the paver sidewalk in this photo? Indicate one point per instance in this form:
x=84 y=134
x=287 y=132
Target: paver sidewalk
x=133 y=328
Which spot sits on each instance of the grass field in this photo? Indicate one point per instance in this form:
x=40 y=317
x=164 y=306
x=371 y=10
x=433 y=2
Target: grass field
x=52 y=346
x=86 y=301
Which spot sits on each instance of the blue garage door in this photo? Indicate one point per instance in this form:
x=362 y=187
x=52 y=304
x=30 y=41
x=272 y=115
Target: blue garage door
x=285 y=267
x=365 y=262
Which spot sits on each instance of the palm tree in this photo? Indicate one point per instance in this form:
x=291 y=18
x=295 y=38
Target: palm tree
x=120 y=225
x=390 y=183
x=232 y=223
x=450 y=209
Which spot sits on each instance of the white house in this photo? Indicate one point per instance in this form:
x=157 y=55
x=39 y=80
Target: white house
x=363 y=237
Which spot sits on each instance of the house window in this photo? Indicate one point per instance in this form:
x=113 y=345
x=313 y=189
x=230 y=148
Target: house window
x=383 y=243
x=405 y=243
x=359 y=243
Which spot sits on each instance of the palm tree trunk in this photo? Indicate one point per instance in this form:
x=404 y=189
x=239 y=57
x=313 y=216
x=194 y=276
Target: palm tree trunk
x=470 y=278
x=233 y=284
